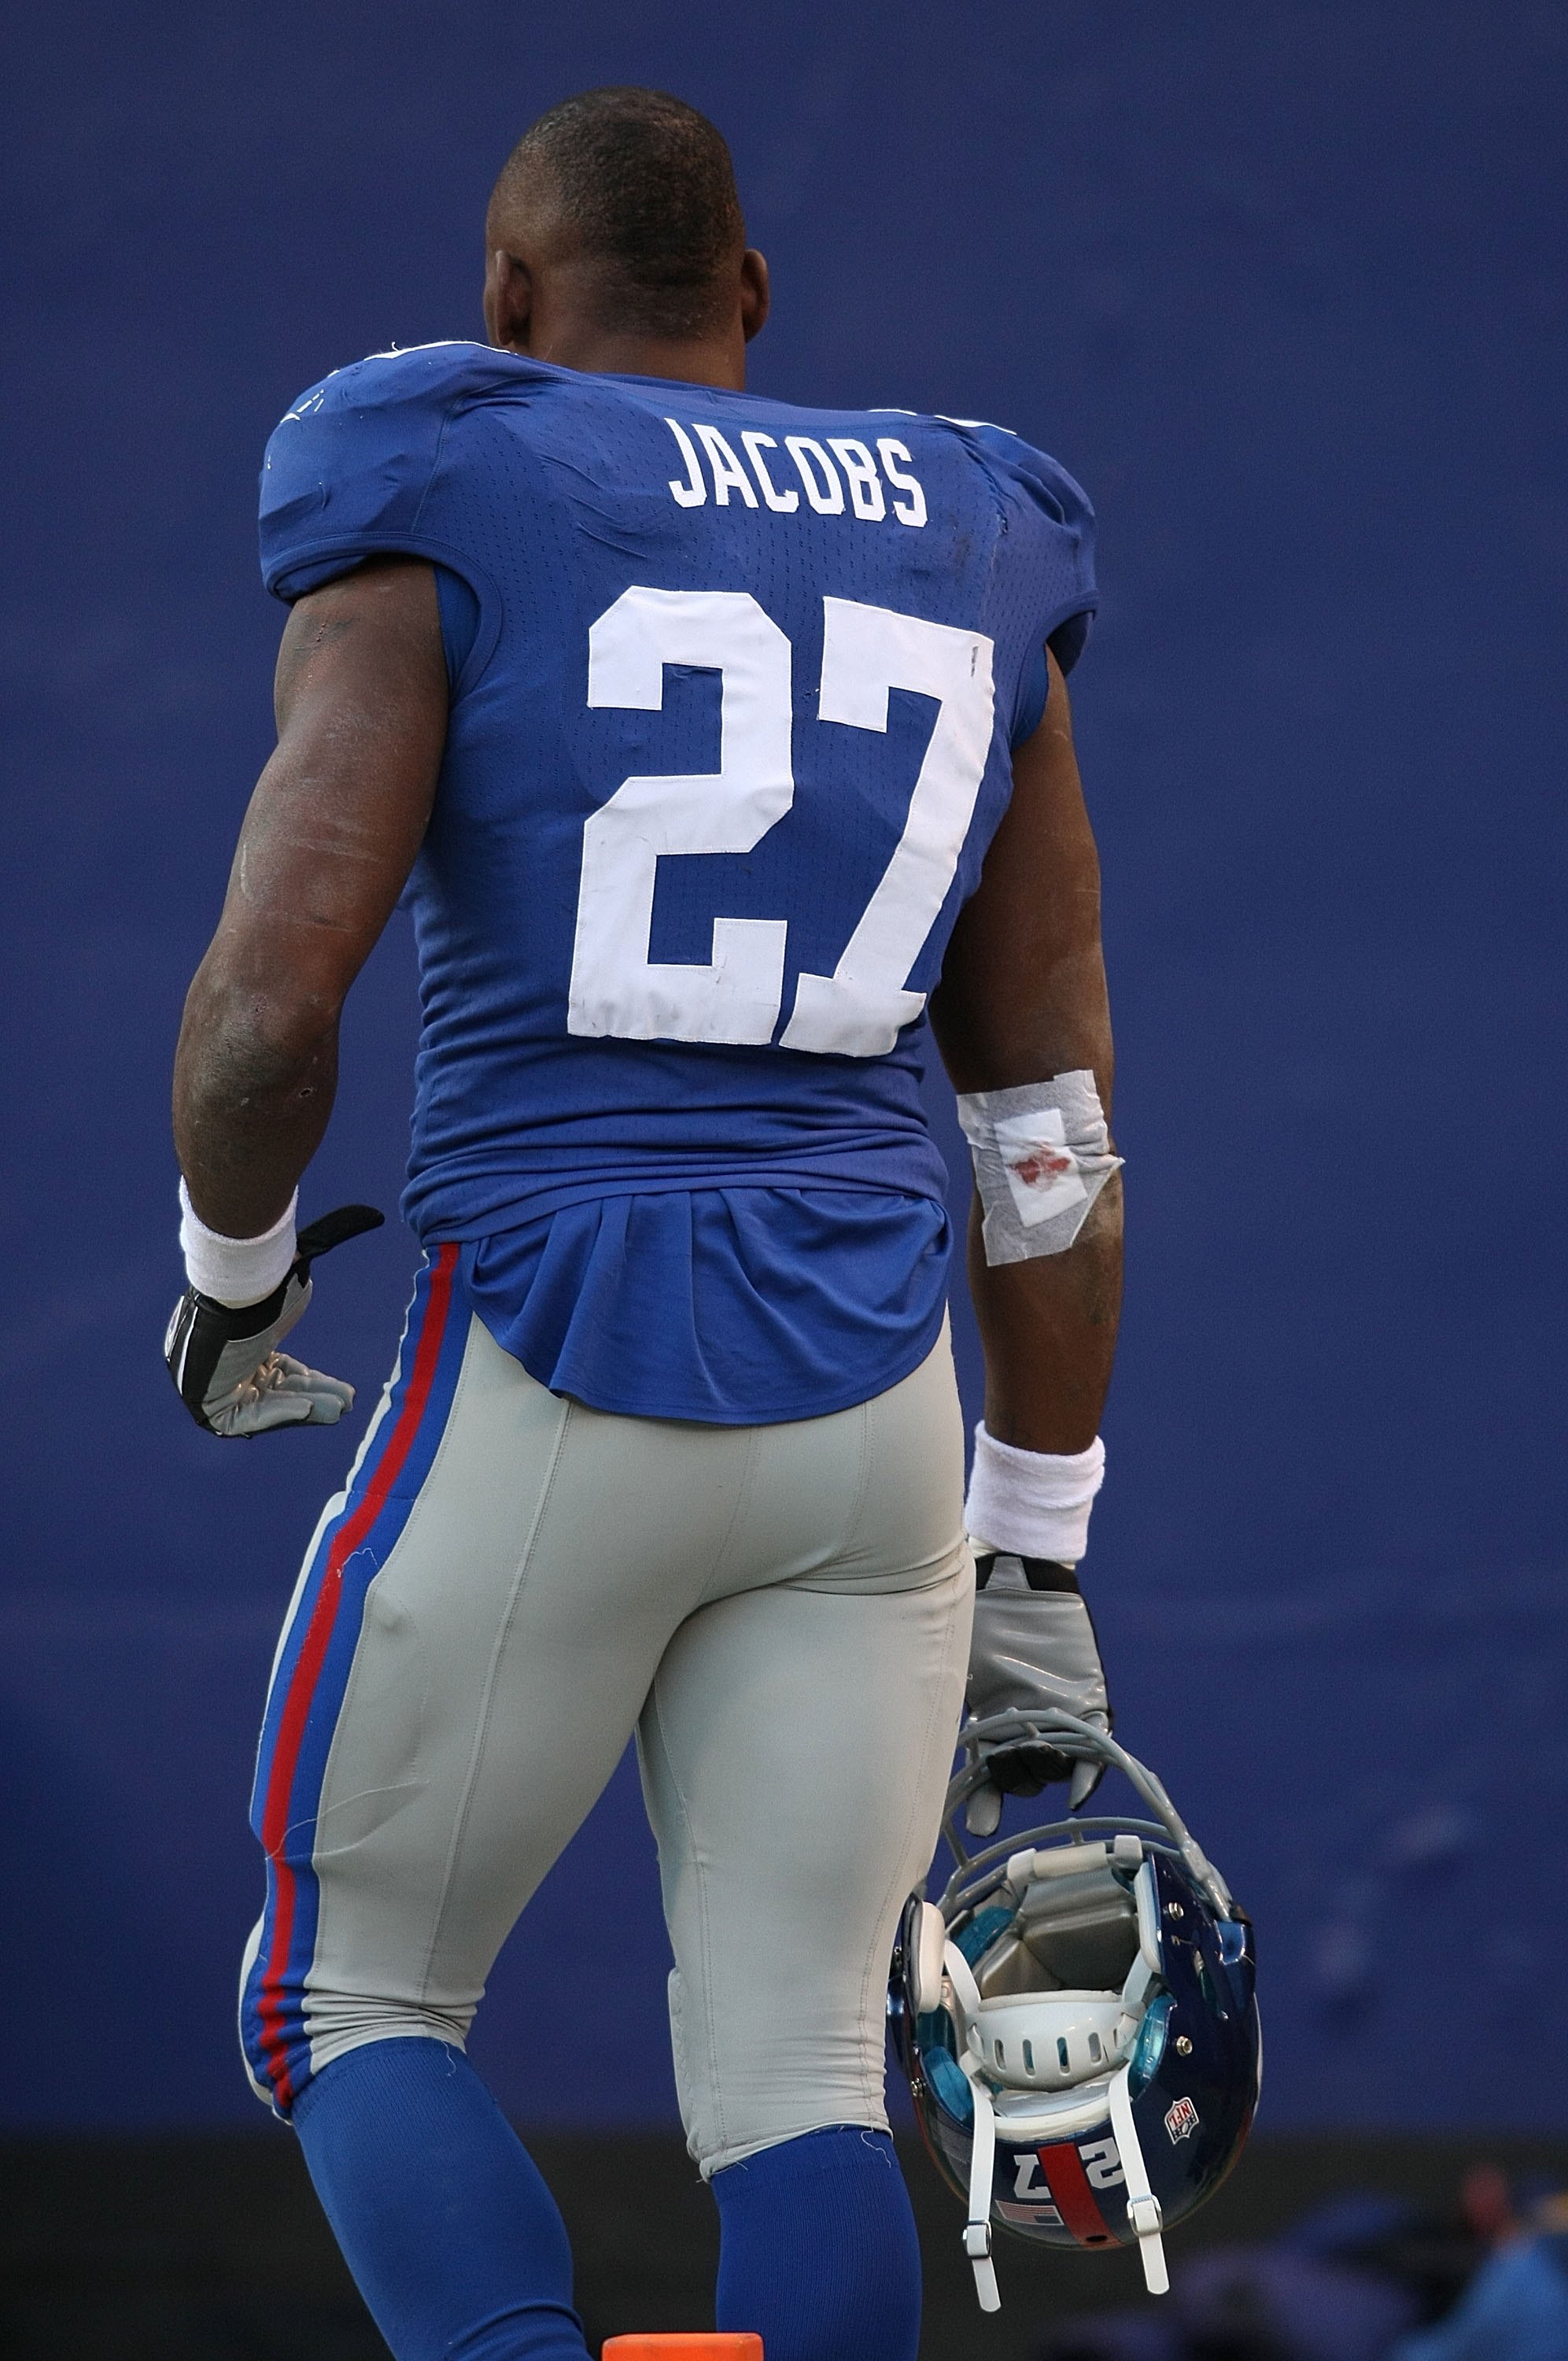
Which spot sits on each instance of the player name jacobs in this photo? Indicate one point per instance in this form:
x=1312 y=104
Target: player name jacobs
x=839 y=478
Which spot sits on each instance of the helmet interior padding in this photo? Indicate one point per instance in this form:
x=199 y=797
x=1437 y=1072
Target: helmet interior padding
x=1068 y=1934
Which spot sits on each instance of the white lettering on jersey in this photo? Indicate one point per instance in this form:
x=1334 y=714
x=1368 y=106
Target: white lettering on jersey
x=616 y=989
x=857 y=1010
x=819 y=473
x=826 y=497
x=693 y=491
x=915 y=514
x=860 y=468
x=728 y=472
x=785 y=503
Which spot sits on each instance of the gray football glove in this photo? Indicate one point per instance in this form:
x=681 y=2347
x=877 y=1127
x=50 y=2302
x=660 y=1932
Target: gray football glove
x=1034 y=1646
x=225 y=1361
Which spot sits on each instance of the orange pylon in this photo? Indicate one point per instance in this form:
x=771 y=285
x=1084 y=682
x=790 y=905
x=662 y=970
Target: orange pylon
x=725 y=2347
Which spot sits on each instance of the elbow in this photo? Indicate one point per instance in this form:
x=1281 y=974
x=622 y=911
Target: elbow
x=249 y=1043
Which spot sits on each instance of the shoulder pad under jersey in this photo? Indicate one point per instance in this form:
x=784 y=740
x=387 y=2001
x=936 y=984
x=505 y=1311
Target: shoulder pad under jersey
x=1027 y=478
x=348 y=465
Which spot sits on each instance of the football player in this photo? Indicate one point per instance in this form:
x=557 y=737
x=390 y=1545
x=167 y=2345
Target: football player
x=716 y=745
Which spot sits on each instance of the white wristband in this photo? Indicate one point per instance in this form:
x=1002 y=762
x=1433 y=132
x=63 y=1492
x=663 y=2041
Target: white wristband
x=236 y=1271
x=1034 y=1502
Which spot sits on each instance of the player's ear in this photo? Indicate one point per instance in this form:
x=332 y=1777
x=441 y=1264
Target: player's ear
x=509 y=301
x=755 y=296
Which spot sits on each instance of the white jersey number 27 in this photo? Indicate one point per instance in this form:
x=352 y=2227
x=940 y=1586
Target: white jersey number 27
x=866 y=651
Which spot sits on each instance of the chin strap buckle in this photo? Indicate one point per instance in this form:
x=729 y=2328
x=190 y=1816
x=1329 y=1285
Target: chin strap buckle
x=977 y=2246
x=1145 y=2215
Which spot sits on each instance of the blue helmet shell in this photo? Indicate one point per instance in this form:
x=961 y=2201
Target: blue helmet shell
x=1191 y=2047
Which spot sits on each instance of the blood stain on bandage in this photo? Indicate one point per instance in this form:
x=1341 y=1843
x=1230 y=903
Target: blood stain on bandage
x=1041 y=1164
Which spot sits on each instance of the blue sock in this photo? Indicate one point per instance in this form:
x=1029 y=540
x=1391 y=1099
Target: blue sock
x=453 y=2238
x=817 y=2251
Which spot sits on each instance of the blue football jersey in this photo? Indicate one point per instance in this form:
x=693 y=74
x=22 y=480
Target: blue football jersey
x=734 y=688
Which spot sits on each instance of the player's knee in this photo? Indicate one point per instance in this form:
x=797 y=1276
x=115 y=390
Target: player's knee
x=288 y=2032
x=281 y=2072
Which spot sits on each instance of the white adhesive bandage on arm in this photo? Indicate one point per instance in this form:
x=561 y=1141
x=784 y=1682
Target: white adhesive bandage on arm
x=235 y=1270
x=1042 y=1155
x=1032 y=1503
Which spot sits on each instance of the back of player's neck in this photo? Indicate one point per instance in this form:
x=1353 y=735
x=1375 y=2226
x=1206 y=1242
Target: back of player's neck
x=686 y=361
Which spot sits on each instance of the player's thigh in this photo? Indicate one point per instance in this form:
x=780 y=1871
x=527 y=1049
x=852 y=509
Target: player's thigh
x=795 y=1750
x=472 y=1640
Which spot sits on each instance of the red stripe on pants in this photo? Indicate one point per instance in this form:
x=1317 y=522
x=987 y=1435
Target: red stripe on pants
x=277 y=1816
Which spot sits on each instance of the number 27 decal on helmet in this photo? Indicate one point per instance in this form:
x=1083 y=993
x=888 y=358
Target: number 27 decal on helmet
x=1076 y=2018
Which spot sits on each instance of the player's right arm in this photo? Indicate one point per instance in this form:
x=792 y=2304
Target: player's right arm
x=1022 y=1000
x=334 y=825
x=333 y=829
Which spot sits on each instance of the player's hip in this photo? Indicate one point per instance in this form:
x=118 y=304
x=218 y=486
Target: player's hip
x=469 y=1458
x=478 y=1498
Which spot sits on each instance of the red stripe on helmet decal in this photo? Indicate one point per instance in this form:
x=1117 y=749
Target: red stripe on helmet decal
x=1074 y=2198
x=276 y=1813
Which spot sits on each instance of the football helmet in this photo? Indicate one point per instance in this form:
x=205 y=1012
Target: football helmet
x=1077 y=2017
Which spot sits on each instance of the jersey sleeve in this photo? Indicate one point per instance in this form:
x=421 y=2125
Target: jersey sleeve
x=1043 y=489
x=1051 y=541
x=348 y=469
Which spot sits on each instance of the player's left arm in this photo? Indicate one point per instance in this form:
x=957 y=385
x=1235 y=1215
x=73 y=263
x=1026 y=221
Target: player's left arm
x=1022 y=1009
x=334 y=825
x=1023 y=998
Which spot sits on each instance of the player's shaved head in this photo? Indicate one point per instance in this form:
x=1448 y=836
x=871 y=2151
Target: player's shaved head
x=635 y=190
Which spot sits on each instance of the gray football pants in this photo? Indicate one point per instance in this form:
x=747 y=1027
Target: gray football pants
x=781 y=1613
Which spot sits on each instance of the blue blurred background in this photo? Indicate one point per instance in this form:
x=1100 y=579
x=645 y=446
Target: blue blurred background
x=1283 y=286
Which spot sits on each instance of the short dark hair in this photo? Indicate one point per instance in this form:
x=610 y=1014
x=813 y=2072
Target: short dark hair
x=648 y=185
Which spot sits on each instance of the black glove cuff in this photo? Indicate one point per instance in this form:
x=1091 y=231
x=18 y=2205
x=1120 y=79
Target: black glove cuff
x=1039 y=1573
x=202 y=1330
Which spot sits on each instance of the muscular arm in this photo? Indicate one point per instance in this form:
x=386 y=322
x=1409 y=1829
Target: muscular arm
x=1023 y=997
x=330 y=836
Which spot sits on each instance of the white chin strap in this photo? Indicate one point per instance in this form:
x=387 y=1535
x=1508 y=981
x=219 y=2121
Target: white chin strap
x=977 y=2229
x=1143 y=2205
x=982 y=2147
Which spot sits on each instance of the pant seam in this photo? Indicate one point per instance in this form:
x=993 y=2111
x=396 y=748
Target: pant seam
x=410 y=1522
x=492 y=1673
x=868 y=1410
x=874 y=2095
x=705 y=1942
x=742 y=1498
x=863 y=1487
